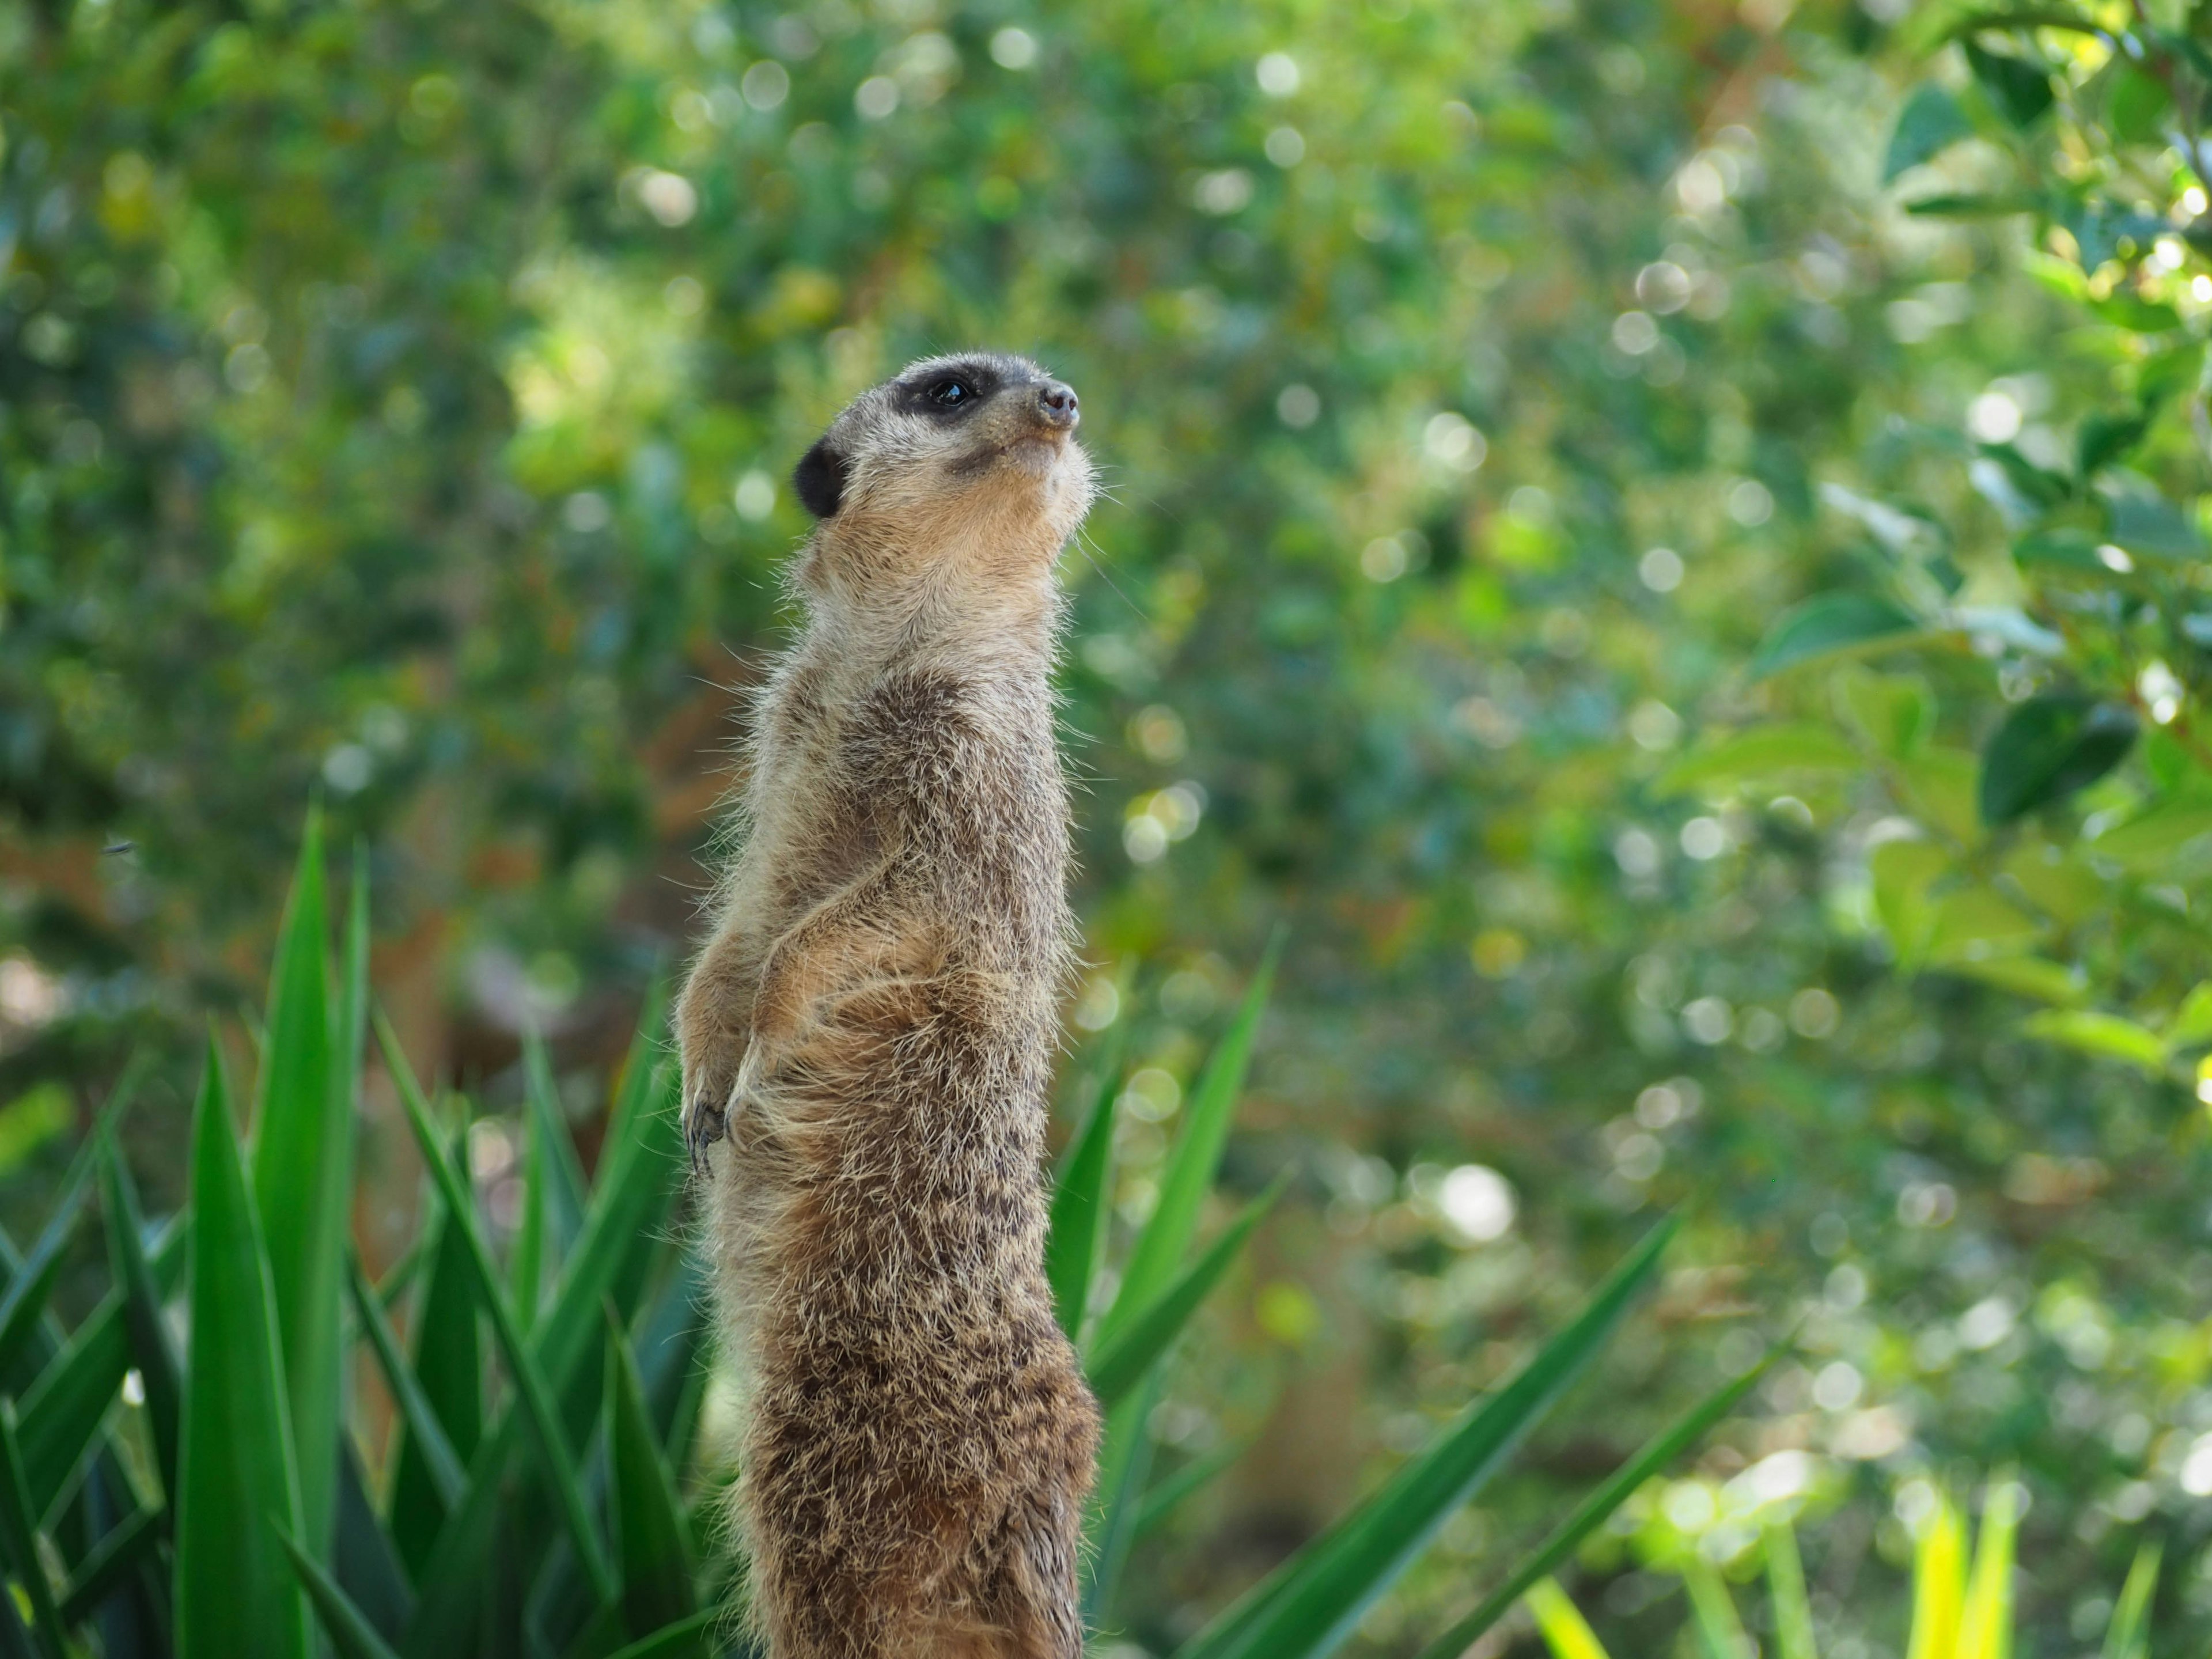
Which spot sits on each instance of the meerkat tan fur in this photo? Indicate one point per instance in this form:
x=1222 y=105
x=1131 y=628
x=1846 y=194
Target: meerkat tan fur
x=868 y=1039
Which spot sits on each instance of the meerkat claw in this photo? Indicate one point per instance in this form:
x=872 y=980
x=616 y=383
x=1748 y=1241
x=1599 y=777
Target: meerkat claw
x=703 y=1126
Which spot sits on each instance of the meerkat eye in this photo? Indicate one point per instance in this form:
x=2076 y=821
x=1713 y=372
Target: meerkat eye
x=951 y=392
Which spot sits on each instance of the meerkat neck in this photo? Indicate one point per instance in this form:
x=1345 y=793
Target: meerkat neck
x=950 y=612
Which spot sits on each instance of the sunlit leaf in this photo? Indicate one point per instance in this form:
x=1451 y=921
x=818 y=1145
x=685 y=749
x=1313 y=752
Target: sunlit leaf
x=2047 y=748
x=1560 y=1623
x=1929 y=123
x=2109 y=1036
x=1828 y=625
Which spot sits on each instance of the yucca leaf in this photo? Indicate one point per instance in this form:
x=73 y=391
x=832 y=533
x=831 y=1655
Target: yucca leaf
x=1076 y=1241
x=25 y=1300
x=1125 y=1464
x=1592 y=1511
x=147 y=1331
x=1140 y=1342
x=19 y=1534
x=1561 y=1622
x=647 y=1522
x=236 y=1487
x=1939 y=1585
x=1785 y=1582
x=109 y=1562
x=530 y=1383
x=1165 y=1496
x=303 y=1182
x=348 y=1629
x=62 y=1411
x=364 y=1561
x=1985 y=1620
x=425 y=1433
x=639 y=1169
x=2128 y=1636
x=1720 y=1627
x=678 y=1641
x=568 y=1194
x=1308 y=1606
x=1188 y=1177
x=14 y=1634
x=449 y=1367
x=640 y=1083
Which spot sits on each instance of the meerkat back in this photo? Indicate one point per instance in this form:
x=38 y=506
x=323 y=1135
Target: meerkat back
x=867 y=1037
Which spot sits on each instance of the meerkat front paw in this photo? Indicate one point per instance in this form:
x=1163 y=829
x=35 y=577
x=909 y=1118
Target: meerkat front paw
x=712 y=1059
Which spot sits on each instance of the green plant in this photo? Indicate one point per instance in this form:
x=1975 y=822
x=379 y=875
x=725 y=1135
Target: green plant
x=231 y=1510
x=1958 y=1611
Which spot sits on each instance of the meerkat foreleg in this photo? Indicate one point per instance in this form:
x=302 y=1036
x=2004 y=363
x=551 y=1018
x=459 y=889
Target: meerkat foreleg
x=713 y=1033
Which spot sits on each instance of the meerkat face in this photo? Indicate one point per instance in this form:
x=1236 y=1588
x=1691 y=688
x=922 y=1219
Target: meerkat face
x=953 y=446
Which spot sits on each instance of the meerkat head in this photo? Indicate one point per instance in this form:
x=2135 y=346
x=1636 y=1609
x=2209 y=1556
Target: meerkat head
x=971 y=458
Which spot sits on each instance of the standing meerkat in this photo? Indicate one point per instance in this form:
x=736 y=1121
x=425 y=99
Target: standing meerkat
x=868 y=1035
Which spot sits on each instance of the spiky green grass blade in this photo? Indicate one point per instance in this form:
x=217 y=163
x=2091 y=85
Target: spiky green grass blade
x=1158 y=1252
x=2128 y=1636
x=1592 y=1511
x=425 y=1433
x=19 y=1534
x=449 y=1367
x=1144 y=1340
x=530 y=1381
x=1720 y=1627
x=236 y=1597
x=651 y=1541
x=1307 y=1607
x=1560 y=1623
x=109 y=1562
x=348 y=1627
x=1785 y=1582
x=681 y=1640
x=1077 y=1242
x=159 y=1373
x=1985 y=1620
x=25 y=1301
x=1168 y=1495
x=303 y=1182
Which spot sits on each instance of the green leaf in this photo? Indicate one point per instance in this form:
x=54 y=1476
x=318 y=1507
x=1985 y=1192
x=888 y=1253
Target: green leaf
x=530 y=1383
x=18 y=1533
x=694 y=1635
x=2020 y=90
x=1162 y=1500
x=1309 y=1605
x=2103 y=438
x=1759 y=751
x=1158 y=1252
x=1995 y=206
x=1936 y=785
x=2061 y=548
x=554 y=1190
x=1785 y=1582
x=1829 y=625
x=236 y=1596
x=1985 y=1621
x=2027 y=977
x=62 y=1411
x=1076 y=1241
x=1929 y=123
x=2149 y=845
x=2136 y=314
x=2190 y=1026
x=1560 y=1623
x=2154 y=527
x=1119 y=1361
x=147 y=1331
x=33 y=1281
x=364 y=1560
x=1903 y=871
x=1893 y=712
x=647 y=1522
x=449 y=1368
x=2128 y=1636
x=107 y=1563
x=2047 y=748
x=1720 y=1627
x=1595 y=1510
x=2108 y=1036
x=1125 y=1463
x=641 y=1167
x=1977 y=923
x=426 y=1435
x=348 y=1629
x=2138 y=105
x=302 y=1184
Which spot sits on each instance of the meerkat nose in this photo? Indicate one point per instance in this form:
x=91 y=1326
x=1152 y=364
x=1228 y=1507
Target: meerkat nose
x=1056 y=402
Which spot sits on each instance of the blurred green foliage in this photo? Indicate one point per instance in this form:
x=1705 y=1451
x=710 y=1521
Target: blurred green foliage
x=1608 y=543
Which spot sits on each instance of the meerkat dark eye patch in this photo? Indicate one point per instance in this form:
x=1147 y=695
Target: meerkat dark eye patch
x=819 y=478
x=949 y=392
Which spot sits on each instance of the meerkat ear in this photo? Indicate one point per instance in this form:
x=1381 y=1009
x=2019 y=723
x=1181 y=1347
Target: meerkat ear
x=819 y=478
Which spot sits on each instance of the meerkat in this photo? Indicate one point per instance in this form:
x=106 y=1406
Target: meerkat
x=868 y=1039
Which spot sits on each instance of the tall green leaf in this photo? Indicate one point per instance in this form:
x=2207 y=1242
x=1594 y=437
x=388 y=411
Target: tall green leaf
x=425 y=1433
x=1308 y=1606
x=349 y=1630
x=1712 y=1609
x=647 y=1521
x=159 y=1373
x=19 y=1532
x=1125 y=1464
x=1561 y=1624
x=302 y=1183
x=1985 y=1619
x=531 y=1384
x=1158 y=1252
x=449 y=1369
x=25 y=1300
x=2128 y=1636
x=1785 y=1582
x=1592 y=1511
x=1076 y=1242
x=1120 y=1360
x=236 y=1597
